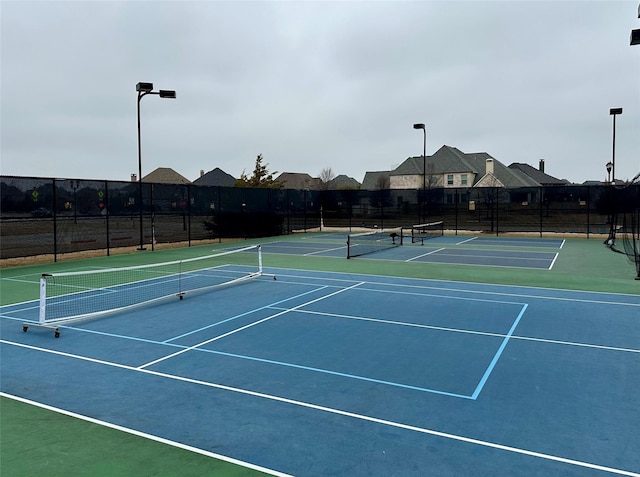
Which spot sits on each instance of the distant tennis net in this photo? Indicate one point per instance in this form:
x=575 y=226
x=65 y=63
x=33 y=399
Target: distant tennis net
x=422 y=232
x=71 y=296
x=374 y=241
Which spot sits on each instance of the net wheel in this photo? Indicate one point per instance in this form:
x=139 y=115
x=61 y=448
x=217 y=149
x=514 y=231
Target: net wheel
x=56 y=333
x=25 y=328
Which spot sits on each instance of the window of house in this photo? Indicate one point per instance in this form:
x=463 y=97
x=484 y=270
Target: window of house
x=449 y=179
x=463 y=179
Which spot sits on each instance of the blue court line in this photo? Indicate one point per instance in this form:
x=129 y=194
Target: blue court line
x=244 y=314
x=492 y=365
x=334 y=373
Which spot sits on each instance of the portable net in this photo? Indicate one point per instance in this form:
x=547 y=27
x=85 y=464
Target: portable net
x=71 y=296
x=625 y=222
x=374 y=241
x=422 y=232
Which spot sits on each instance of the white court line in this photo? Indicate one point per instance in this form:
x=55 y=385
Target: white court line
x=537 y=296
x=20 y=280
x=461 y=330
x=146 y=436
x=495 y=254
x=425 y=254
x=553 y=261
x=339 y=412
x=326 y=250
x=465 y=241
x=215 y=338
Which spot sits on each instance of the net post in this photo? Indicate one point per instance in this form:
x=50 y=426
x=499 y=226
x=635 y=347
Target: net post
x=260 y=259
x=43 y=298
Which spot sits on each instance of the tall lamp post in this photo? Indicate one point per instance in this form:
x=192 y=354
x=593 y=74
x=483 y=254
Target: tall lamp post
x=144 y=89
x=424 y=165
x=614 y=112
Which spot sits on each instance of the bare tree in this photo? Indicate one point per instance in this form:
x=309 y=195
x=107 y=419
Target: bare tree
x=383 y=182
x=326 y=176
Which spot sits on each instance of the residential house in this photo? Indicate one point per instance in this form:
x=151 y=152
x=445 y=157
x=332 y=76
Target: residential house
x=164 y=175
x=449 y=167
x=343 y=182
x=538 y=175
x=376 y=180
x=216 y=177
x=168 y=190
x=299 y=181
x=450 y=170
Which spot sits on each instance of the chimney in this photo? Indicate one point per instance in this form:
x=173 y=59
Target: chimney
x=489 y=166
x=541 y=167
x=134 y=178
x=201 y=172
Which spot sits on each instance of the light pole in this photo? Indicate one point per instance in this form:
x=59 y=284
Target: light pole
x=144 y=89
x=614 y=112
x=635 y=34
x=424 y=165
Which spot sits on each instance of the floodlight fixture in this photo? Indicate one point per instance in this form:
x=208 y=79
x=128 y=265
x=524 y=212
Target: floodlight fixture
x=144 y=87
x=167 y=93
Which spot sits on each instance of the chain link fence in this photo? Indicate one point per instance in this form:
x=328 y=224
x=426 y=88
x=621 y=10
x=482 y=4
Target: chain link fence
x=42 y=216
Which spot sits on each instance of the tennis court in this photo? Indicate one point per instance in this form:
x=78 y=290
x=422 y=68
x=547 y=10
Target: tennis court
x=455 y=250
x=342 y=371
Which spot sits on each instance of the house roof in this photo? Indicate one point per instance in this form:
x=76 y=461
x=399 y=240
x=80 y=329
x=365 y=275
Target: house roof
x=450 y=160
x=343 y=182
x=536 y=174
x=507 y=177
x=216 y=177
x=165 y=175
x=375 y=180
x=447 y=159
x=298 y=180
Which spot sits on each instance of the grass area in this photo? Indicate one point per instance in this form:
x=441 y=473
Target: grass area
x=37 y=441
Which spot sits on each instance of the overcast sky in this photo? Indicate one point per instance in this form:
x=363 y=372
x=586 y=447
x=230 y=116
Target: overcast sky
x=313 y=85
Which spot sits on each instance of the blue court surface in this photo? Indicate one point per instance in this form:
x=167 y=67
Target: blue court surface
x=508 y=252
x=318 y=374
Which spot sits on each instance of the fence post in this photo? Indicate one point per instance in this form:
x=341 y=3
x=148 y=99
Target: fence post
x=106 y=212
x=55 y=222
x=588 y=210
x=189 y=215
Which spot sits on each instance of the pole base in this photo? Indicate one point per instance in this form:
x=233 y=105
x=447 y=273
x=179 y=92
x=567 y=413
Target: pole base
x=141 y=249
